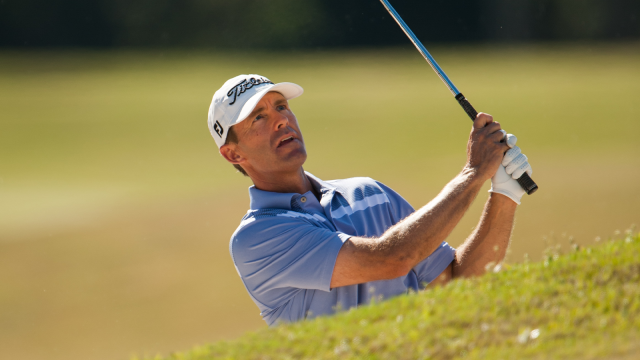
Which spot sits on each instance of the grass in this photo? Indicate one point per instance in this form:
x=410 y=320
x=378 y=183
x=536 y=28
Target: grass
x=116 y=210
x=581 y=305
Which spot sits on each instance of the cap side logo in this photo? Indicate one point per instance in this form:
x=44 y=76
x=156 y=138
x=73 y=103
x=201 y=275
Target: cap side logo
x=218 y=128
x=245 y=85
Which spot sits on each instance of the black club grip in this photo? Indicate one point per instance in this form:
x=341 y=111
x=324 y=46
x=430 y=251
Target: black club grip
x=466 y=106
x=525 y=180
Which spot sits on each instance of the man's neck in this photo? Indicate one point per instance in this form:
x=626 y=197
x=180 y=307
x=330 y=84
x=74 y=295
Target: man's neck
x=296 y=182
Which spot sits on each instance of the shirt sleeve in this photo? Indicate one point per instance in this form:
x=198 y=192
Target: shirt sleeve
x=400 y=208
x=277 y=255
x=428 y=269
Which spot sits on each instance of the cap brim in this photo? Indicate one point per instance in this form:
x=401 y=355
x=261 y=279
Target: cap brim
x=288 y=90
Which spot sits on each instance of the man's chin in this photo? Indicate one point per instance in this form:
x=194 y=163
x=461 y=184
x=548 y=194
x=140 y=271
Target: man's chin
x=282 y=162
x=292 y=161
x=297 y=158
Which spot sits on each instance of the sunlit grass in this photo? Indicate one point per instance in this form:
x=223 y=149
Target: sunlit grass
x=580 y=305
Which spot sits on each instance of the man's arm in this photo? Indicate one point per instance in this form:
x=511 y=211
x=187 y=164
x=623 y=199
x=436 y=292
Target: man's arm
x=413 y=239
x=489 y=241
x=487 y=244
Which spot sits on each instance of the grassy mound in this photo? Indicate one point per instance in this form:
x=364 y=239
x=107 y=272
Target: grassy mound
x=581 y=305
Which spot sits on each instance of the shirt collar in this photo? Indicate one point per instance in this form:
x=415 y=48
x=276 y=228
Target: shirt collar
x=319 y=185
x=261 y=199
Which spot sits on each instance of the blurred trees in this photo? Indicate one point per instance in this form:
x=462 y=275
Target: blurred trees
x=306 y=23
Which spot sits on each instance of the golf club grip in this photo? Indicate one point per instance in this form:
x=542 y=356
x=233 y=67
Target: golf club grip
x=524 y=180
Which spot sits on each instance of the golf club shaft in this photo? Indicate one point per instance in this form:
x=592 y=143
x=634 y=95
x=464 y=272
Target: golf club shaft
x=525 y=180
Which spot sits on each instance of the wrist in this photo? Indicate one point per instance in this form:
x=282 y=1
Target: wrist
x=472 y=175
x=504 y=197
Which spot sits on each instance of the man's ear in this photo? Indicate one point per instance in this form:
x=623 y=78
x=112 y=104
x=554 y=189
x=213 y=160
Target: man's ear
x=228 y=151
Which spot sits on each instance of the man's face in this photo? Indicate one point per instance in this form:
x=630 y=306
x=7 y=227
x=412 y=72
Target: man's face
x=269 y=139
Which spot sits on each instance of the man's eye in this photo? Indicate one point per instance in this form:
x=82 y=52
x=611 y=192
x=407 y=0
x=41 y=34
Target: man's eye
x=282 y=107
x=258 y=118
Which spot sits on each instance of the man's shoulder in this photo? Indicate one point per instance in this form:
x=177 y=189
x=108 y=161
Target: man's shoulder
x=261 y=219
x=359 y=188
x=365 y=192
x=357 y=184
x=263 y=224
x=353 y=182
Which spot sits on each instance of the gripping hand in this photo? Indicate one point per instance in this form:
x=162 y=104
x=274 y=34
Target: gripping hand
x=514 y=164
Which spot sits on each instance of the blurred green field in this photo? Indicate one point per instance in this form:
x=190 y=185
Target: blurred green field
x=116 y=210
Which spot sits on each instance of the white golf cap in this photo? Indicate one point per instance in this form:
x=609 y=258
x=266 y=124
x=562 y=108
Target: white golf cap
x=237 y=98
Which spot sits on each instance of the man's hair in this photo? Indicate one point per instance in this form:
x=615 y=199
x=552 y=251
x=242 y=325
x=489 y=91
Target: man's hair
x=233 y=138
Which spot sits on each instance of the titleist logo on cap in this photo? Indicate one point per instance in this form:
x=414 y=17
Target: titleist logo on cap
x=244 y=85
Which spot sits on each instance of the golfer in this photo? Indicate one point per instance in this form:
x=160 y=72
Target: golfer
x=308 y=247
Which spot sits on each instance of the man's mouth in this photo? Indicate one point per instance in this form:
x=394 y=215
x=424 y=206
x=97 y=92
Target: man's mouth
x=285 y=141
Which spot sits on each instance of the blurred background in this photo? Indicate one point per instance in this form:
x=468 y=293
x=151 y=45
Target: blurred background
x=116 y=209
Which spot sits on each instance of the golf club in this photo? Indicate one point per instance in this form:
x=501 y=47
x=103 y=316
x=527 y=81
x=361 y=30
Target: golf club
x=525 y=180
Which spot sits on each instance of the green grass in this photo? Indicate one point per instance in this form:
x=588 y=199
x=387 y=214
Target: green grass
x=581 y=305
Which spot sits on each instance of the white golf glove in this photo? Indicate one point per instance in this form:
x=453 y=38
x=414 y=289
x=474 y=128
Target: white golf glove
x=514 y=164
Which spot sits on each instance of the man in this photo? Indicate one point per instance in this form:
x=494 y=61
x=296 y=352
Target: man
x=308 y=247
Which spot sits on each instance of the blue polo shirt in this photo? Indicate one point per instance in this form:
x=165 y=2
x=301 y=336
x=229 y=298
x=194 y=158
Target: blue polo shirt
x=286 y=247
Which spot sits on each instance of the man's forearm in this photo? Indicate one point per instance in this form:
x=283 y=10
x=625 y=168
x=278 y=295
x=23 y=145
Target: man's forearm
x=418 y=235
x=490 y=240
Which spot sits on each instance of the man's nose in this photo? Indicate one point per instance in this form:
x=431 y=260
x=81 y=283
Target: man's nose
x=281 y=120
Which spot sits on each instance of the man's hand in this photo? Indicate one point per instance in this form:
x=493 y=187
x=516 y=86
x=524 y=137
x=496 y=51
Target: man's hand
x=489 y=241
x=405 y=244
x=485 y=149
x=514 y=164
